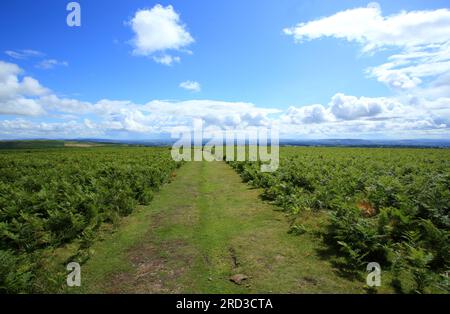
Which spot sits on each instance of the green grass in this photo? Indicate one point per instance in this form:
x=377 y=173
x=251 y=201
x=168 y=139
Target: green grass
x=201 y=229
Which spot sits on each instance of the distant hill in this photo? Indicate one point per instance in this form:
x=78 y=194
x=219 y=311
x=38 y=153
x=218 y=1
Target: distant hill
x=167 y=141
x=368 y=143
x=92 y=142
x=31 y=144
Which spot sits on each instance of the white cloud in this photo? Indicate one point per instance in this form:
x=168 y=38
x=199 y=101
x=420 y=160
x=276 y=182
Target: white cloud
x=345 y=107
x=157 y=30
x=65 y=105
x=351 y=107
x=440 y=87
x=9 y=83
x=21 y=106
x=191 y=86
x=408 y=70
x=307 y=114
x=166 y=59
x=350 y=116
x=29 y=53
x=23 y=54
x=370 y=28
x=31 y=87
x=50 y=64
x=24 y=128
x=14 y=92
x=218 y=113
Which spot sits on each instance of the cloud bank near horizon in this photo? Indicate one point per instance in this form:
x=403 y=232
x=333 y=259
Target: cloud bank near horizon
x=24 y=102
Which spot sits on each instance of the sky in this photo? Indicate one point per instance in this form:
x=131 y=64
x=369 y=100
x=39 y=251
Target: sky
x=142 y=69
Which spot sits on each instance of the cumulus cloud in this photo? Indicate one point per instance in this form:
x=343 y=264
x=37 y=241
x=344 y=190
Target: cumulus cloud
x=158 y=30
x=21 y=106
x=351 y=107
x=65 y=105
x=16 y=94
x=347 y=116
x=192 y=86
x=346 y=107
x=222 y=114
x=307 y=114
x=21 y=127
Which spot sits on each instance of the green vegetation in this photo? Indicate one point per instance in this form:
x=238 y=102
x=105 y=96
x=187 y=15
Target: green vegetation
x=49 y=198
x=385 y=205
x=336 y=209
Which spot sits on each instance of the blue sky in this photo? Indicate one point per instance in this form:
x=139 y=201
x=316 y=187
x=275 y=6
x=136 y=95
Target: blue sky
x=239 y=57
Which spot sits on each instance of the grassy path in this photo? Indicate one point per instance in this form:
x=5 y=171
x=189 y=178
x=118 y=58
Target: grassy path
x=201 y=229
